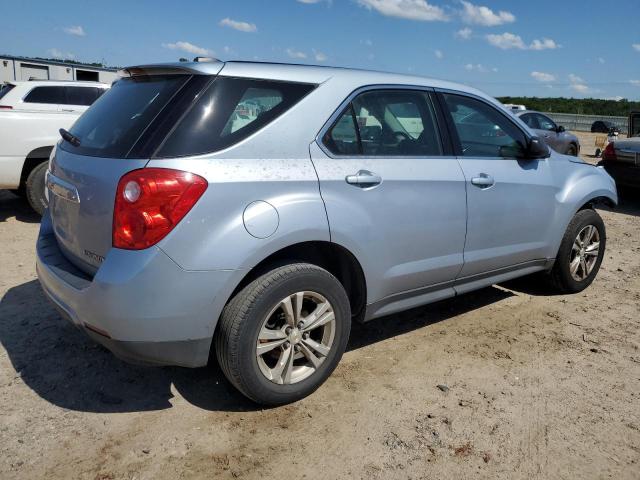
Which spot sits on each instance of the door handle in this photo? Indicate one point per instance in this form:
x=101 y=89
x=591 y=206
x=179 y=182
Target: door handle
x=364 y=179
x=68 y=110
x=483 y=180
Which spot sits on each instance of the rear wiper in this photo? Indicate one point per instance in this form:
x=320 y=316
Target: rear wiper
x=69 y=137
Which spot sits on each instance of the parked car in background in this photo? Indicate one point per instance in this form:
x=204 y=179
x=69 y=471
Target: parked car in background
x=621 y=158
x=31 y=113
x=256 y=210
x=603 y=126
x=555 y=136
x=514 y=106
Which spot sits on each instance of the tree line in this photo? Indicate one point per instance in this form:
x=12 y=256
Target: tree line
x=582 y=106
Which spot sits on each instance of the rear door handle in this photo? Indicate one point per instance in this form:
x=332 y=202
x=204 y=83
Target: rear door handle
x=364 y=179
x=483 y=180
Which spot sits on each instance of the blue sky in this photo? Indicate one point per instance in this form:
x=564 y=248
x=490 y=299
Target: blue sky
x=576 y=48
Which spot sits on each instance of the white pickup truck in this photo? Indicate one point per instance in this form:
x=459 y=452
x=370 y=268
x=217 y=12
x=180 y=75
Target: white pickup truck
x=31 y=115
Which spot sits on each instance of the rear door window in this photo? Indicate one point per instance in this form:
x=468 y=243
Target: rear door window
x=389 y=123
x=342 y=138
x=113 y=125
x=46 y=95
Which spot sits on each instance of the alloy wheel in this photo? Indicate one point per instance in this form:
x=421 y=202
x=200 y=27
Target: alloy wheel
x=295 y=337
x=584 y=253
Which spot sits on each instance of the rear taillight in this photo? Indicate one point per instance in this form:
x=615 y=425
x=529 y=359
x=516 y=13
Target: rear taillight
x=6 y=107
x=609 y=152
x=150 y=202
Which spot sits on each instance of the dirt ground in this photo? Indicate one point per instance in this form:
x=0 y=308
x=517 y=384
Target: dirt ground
x=532 y=385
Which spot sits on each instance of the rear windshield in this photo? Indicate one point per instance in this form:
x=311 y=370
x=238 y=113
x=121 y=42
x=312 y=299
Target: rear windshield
x=118 y=118
x=4 y=89
x=180 y=115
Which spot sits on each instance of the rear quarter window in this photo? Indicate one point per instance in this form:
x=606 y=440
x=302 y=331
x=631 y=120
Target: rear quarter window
x=83 y=96
x=228 y=111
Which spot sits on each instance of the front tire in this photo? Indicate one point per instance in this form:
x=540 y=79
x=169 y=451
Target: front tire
x=35 y=188
x=283 y=334
x=580 y=253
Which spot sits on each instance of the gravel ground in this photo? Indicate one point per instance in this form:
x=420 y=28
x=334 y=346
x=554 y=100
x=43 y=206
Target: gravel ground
x=509 y=382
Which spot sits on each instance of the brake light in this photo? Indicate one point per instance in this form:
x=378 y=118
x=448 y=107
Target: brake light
x=609 y=152
x=6 y=107
x=150 y=202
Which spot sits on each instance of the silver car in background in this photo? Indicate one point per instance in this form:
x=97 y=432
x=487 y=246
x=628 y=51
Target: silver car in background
x=255 y=210
x=553 y=135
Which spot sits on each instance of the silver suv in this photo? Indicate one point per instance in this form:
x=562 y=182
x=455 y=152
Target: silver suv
x=256 y=210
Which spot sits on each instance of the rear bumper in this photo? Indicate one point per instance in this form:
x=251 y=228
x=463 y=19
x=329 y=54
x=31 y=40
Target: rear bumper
x=140 y=304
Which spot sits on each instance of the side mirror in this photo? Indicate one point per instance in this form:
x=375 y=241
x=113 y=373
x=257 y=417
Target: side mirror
x=560 y=129
x=537 y=149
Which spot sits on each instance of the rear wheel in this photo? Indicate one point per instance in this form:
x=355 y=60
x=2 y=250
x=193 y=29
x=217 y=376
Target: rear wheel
x=283 y=334
x=580 y=253
x=572 y=150
x=34 y=188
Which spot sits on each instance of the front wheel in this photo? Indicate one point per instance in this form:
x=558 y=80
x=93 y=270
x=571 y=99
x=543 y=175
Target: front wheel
x=283 y=334
x=580 y=253
x=572 y=150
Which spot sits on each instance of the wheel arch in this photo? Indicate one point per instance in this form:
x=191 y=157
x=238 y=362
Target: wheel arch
x=334 y=258
x=34 y=158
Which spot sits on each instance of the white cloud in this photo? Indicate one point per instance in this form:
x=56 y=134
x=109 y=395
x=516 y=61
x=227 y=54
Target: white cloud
x=237 y=25
x=579 y=87
x=479 y=15
x=601 y=60
x=636 y=47
x=544 y=44
x=367 y=42
x=308 y=2
x=616 y=98
x=478 y=67
x=575 y=78
x=76 y=30
x=438 y=53
x=55 y=53
x=189 y=48
x=635 y=83
x=409 y=9
x=543 y=77
x=296 y=54
x=463 y=33
x=507 y=41
x=319 y=56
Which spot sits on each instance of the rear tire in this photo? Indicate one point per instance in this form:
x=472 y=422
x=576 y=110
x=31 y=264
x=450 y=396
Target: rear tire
x=35 y=188
x=580 y=253
x=262 y=328
x=572 y=150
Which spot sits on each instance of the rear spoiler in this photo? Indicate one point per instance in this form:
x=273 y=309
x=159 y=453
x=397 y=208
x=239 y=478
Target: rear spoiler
x=211 y=67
